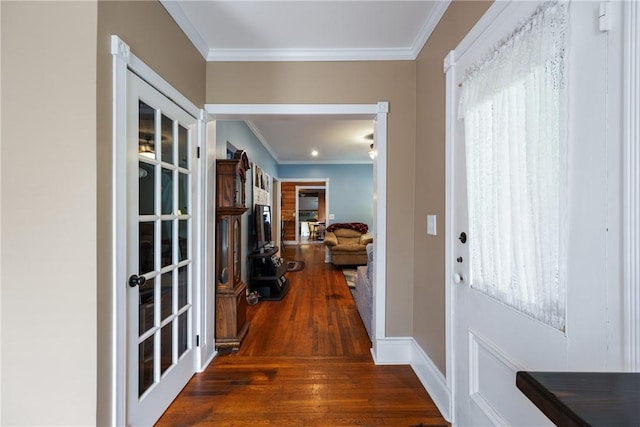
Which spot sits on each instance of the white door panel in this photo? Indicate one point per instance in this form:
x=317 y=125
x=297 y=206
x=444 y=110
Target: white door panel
x=160 y=249
x=492 y=341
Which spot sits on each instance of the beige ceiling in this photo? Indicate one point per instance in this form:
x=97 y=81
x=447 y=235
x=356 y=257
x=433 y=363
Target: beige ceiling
x=308 y=30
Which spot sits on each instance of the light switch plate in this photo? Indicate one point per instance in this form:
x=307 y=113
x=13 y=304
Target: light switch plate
x=332 y=216
x=431 y=225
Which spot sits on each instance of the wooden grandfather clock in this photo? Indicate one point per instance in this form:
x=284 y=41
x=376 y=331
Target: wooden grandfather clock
x=231 y=303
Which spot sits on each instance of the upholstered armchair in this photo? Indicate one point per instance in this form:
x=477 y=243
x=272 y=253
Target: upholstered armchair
x=347 y=243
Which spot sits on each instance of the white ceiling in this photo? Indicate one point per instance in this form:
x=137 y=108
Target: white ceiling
x=309 y=30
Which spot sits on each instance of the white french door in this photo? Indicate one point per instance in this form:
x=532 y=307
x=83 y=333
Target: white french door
x=491 y=340
x=160 y=251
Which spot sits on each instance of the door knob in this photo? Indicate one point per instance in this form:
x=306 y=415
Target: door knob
x=457 y=278
x=135 y=280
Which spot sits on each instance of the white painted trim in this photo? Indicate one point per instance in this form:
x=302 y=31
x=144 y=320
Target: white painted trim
x=439 y=8
x=175 y=10
x=483 y=23
x=378 y=112
x=450 y=313
x=252 y=111
x=200 y=250
x=207 y=362
x=308 y=55
x=631 y=177
x=406 y=351
x=379 y=312
x=123 y=61
x=393 y=351
x=432 y=380
x=120 y=55
x=261 y=138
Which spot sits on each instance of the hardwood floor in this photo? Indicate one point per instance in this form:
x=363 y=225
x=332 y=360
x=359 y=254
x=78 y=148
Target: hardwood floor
x=305 y=362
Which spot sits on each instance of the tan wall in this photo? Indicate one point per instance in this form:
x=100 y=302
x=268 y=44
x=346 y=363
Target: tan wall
x=48 y=204
x=429 y=292
x=154 y=38
x=349 y=83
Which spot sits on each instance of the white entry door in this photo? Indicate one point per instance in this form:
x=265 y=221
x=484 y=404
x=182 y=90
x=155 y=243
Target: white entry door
x=160 y=242
x=492 y=340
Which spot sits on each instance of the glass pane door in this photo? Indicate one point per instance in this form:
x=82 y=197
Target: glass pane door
x=160 y=229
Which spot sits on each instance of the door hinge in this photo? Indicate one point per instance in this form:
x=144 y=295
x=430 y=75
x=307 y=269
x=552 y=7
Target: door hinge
x=198 y=152
x=197 y=340
x=604 y=17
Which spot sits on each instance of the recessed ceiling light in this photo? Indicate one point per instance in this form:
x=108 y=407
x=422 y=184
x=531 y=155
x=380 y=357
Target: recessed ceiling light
x=314 y=153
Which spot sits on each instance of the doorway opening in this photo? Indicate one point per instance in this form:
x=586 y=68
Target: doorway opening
x=378 y=113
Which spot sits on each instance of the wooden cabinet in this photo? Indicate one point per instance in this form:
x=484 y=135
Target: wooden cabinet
x=231 y=303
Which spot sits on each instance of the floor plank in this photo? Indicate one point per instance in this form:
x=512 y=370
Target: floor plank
x=306 y=361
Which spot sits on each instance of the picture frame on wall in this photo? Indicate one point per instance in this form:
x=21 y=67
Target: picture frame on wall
x=261 y=186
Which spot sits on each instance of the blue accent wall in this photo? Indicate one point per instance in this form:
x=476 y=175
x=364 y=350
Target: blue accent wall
x=237 y=133
x=350 y=188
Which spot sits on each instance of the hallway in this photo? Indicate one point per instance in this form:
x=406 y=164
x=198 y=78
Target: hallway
x=305 y=362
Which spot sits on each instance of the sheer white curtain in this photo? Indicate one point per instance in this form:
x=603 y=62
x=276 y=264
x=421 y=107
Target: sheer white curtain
x=514 y=120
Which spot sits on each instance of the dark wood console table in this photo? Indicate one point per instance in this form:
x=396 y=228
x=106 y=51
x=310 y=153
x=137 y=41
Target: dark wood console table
x=584 y=398
x=266 y=276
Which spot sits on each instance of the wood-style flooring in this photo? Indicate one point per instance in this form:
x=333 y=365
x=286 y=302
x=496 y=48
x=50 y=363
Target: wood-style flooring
x=306 y=361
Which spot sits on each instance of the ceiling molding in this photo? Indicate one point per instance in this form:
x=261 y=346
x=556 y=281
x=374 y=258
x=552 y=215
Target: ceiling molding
x=429 y=26
x=325 y=162
x=262 y=139
x=178 y=15
x=268 y=55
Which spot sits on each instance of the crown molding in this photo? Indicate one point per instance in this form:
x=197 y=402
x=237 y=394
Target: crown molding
x=178 y=15
x=269 y=55
x=429 y=26
x=252 y=127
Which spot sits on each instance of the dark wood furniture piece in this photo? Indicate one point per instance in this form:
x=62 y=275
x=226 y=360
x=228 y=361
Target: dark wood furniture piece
x=584 y=398
x=231 y=302
x=267 y=275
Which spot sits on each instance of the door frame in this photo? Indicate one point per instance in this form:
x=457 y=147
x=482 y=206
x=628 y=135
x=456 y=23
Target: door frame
x=324 y=187
x=122 y=61
x=377 y=112
x=631 y=184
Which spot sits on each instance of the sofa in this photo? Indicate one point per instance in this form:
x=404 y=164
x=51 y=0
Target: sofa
x=363 y=292
x=347 y=243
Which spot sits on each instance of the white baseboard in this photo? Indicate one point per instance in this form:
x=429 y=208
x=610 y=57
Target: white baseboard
x=406 y=351
x=392 y=351
x=207 y=362
x=432 y=379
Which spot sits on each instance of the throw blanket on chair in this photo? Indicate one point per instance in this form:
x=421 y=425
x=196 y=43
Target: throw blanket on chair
x=358 y=226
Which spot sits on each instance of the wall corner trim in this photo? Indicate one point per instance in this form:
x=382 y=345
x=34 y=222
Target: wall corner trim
x=449 y=60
